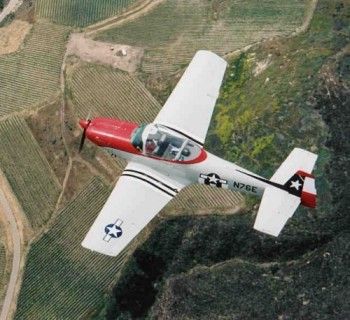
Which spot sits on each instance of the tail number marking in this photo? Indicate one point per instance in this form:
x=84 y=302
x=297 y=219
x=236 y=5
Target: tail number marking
x=243 y=186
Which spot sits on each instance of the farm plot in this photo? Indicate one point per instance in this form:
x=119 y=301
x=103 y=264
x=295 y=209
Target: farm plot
x=63 y=280
x=27 y=171
x=102 y=91
x=80 y=13
x=31 y=76
x=220 y=26
x=3 y=275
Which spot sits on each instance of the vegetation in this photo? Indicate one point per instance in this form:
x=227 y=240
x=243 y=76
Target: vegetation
x=3 y=271
x=103 y=91
x=28 y=171
x=301 y=98
x=31 y=77
x=63 y=280
x=174 y=31
x=80 y=13
x=1 y=4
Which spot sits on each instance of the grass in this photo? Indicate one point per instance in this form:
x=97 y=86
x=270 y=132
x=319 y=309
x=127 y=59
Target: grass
x=28 y=171
x=63 y=280
x=80 y=13
x=30 y=77
x=174 y=31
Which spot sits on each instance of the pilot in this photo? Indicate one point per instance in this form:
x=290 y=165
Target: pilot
x=151 y=145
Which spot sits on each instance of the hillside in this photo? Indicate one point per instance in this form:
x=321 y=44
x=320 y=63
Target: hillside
x=301 y=98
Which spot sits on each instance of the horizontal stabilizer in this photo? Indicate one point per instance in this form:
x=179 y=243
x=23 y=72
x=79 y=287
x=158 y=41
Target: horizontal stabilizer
x=276 y=207
x=298 y=160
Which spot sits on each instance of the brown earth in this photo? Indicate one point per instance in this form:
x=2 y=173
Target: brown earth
x=119 y=56
x=13 y=35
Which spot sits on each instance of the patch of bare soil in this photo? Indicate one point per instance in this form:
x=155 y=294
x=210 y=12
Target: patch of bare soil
x=13 y=35
x=119 y=56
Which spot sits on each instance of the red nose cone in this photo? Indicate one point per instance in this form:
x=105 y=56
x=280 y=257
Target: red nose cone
x=84 y=123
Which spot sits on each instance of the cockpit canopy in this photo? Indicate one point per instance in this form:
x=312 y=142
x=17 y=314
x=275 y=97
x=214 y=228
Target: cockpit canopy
x=161 y=142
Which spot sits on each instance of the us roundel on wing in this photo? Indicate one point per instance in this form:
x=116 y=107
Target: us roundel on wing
x=113 y=231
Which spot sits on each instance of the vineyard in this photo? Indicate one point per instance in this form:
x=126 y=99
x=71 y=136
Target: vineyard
x=80 y=13
x=63 y=280
x=27 y=171
x=3 y=276
x=220 y=26
x=31 y=76
x=105 y=92
x=101 y=91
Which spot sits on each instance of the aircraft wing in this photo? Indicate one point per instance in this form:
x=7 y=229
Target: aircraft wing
x=190 y=106
x=138 y=196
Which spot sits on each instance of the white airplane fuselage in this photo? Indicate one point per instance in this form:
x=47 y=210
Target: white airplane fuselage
x=187 y=174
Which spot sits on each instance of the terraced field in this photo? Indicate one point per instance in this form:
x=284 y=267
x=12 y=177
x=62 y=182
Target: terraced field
x=102 y=91
x=80 y=12
x=68 y=281
x=3 y=276
x=31 y=76
x=28 y=171
x=174 y=31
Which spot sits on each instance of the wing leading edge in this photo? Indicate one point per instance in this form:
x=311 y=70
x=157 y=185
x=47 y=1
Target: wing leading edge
x=190 y=106
x=138 y=196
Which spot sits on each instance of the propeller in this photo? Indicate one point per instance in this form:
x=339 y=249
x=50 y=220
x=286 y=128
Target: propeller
x=84 y=124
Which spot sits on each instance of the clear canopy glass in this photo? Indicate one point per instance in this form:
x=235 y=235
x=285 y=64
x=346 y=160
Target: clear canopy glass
x=161 y=142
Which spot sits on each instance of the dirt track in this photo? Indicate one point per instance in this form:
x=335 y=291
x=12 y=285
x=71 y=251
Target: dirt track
x=16 y=236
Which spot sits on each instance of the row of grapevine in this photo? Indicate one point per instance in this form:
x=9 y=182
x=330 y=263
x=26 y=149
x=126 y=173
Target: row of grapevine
x=80 y=12
x=62 y=279
x=102 y=91
x=220 y=27
x=31 y=76
x=28 y=171
x=111 y=93
x=3 y=274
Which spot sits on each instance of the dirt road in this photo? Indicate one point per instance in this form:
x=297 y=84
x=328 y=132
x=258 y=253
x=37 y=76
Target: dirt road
x=11 y=7
x=5 y=208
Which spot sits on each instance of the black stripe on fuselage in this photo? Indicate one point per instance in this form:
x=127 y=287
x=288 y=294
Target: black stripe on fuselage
x=271 y=183
x=149 y=182
x=184 y=134
x=153 y=178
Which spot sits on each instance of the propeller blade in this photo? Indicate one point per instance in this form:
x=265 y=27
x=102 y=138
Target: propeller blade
x=82 y=141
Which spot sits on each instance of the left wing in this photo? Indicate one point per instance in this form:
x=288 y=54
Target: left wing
x=138 y=196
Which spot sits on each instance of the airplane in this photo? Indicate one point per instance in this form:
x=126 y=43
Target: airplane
x=167 y=155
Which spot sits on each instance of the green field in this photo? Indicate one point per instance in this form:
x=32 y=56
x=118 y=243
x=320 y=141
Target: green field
x=30 y=77
x=3 y=275
x=80 y=13
x=28 y=171
x=62 y=280
x=175 y=30
x=106 y=92
x=102 y=91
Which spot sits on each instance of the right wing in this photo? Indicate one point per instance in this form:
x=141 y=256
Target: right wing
x=138 y=196
x=190 y=106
